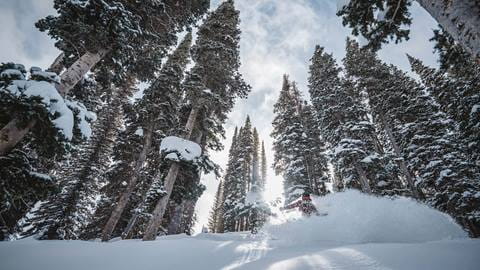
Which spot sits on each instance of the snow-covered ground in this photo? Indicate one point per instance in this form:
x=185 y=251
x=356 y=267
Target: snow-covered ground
x=378 y=237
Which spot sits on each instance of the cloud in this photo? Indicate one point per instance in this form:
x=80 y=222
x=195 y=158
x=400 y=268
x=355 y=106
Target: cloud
x=21 y=41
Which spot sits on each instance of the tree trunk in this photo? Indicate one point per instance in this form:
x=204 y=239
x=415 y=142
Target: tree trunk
x=77 y=70
x=188 y=215
x=57 y=65
x=11 y=134
x=176 y=219
x=132 y=183
x=408 y=176
x=460 y=18
x=129 y=227
x=159 y=211
x=363 y=179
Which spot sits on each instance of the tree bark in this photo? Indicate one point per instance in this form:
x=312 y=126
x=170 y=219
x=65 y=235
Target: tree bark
x=77 y=70
x=188 y=215
x=11 y=134
x=129 y=227
x=132 y=183
x=460 y=18
x=57 y=65
x=363 y=179
x=408 y=176
x=176 y=220
x=159 y=211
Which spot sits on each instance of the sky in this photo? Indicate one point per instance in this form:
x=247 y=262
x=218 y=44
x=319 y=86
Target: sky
x=278 y=37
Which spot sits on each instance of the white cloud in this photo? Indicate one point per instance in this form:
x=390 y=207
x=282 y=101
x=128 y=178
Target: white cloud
x=21 y=41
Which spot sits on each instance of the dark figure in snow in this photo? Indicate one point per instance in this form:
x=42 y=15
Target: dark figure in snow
x=305 y=205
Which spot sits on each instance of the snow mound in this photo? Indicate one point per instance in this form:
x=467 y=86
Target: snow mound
x=354 y=217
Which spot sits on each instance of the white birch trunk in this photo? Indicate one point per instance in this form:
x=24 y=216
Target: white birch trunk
x=77 y=70
x=57 y=65
x=460 y=18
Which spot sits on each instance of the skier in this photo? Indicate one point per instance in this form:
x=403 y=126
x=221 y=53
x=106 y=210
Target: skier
x=305 y=205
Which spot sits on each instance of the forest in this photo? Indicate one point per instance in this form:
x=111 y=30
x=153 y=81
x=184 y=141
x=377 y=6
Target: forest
x=114 y=140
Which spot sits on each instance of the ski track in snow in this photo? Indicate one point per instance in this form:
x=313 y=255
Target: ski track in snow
x=251 y=252
x=234 y=251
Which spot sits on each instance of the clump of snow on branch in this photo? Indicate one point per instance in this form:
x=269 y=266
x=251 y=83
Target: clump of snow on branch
x=84 y=117
x=62 y=112
x=180 y=149
x=39 y=75
x=12 y=73
x=54 y=103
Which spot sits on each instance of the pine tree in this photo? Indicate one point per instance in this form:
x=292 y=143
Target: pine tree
x=292 y=158
x=244 y=150
x=344 y=125
x=314 y=151
x=452 y=56
x=232 y=184
x=54 y=136
x=134 y=35
x=215 y=213
x=256 y=180
x=65 y=215
x=424 y=135
x=456 y=91
x=459 y=18
x=214 y=80
x=384 y=98
x=446 y=176
x=155 y=115
x=263 y=167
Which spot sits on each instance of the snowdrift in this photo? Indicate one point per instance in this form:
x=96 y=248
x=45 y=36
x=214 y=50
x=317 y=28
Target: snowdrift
x=354 y=217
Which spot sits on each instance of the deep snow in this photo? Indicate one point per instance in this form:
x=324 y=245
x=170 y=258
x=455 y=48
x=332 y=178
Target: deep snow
x=359 y=232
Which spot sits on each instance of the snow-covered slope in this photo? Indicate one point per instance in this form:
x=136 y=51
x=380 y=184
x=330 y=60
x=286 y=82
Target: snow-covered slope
x=359 y=232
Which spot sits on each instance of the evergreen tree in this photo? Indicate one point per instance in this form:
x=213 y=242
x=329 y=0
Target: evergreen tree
x=212 y=87
x=65 y=215
x=214 y=222
x=232 y=185
x=446 y=176
x=452 y=56
x=384 y=96
x=315 y=151
x=134 y=35
x=379 y=21
x=303 y=167
x=256 y=180
x=456 y=91
x=424 y=135
x=65 y=122
x=288 y=135
x=154 y=116
x=263 y=167
x=344 y=125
